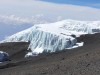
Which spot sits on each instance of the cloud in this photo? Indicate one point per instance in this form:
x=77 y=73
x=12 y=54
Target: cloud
x=15 y=20
x=51 y=11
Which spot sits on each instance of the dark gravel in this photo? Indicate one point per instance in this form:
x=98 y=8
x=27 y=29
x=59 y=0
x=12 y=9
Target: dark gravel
x=80 y=61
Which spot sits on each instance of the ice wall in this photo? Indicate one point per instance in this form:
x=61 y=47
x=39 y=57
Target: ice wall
x=49 y=42
x=42 y=41
x=54 y=36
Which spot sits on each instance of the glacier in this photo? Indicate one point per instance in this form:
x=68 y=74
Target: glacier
x=54 y=36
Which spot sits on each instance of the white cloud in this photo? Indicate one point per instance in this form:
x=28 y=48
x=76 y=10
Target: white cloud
x=15 y=20
x=28 y=8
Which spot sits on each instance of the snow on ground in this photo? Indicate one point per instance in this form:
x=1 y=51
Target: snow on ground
x=76 y=45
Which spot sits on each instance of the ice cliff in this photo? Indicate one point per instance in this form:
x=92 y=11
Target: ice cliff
x=54 y=36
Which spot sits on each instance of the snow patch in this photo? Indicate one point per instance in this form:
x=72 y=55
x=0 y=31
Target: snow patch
x=76 y=45
x=35 y=52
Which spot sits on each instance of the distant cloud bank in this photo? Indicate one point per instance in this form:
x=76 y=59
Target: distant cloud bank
x=29 y=8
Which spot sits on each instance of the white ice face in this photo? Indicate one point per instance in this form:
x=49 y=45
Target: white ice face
x=54 y=36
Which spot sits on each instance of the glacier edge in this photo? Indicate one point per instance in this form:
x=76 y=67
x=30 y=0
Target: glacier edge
x=54 y=36
x=42 y=41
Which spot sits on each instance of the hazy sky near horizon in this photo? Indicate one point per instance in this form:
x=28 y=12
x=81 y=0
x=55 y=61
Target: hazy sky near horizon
x=25 y=13
x=65 y=9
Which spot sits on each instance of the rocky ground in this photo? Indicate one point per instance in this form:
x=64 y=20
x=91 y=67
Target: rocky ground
x=80 y=61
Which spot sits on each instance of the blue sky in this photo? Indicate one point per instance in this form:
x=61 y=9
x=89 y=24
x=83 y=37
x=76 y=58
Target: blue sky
x=90 y=3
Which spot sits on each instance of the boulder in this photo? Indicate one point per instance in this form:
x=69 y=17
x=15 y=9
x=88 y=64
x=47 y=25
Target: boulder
x=4 y=56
